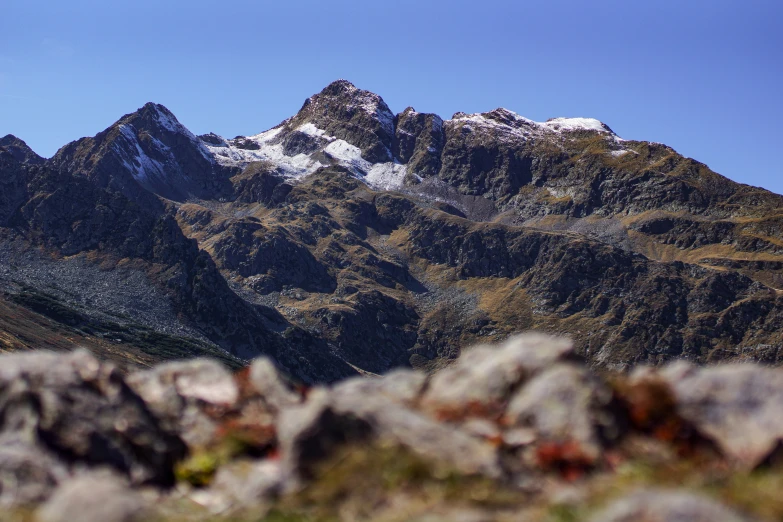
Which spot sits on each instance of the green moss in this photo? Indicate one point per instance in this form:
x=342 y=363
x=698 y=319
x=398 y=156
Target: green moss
x=564 y=513
x=198 y=469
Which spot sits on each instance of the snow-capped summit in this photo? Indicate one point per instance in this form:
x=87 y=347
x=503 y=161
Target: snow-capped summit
x=340 y=125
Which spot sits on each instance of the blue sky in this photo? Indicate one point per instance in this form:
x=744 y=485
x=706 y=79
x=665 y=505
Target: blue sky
x=701 y=76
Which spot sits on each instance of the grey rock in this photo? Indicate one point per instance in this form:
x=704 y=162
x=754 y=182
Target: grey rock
x=402 y=385
x=28 y=474
x=179 y=393
x=481 y=381
x=82 y=410
x=738 y=406
x=563 y=404
x=310 y=432
x=96 y=497
x=267 y=381
x=667 y=506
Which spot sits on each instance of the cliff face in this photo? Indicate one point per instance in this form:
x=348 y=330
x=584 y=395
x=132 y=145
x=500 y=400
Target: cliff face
x=351 y=239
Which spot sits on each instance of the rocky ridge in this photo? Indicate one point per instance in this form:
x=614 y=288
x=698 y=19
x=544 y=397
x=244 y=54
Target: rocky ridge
x=518 y=431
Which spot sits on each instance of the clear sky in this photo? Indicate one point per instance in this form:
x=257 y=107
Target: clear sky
x=701 y=76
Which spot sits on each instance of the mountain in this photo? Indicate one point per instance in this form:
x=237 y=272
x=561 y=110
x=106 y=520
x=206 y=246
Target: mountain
x=350 y=239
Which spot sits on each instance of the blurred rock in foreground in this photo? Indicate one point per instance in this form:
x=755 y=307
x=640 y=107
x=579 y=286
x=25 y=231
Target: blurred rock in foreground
x=517 y=431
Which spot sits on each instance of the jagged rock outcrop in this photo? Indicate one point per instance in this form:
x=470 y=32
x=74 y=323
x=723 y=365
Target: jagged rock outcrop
x=359 y=117
x=20 y=150
x=419 y=141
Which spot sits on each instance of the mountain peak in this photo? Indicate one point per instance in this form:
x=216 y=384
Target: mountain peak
x=339 y=86
x=20 y=150
x=347 y=94
x=346 y=112
x=157 y=115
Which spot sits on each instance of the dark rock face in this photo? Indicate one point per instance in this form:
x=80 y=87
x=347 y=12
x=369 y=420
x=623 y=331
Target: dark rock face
x=12 y=183
x=418 y=141
x=359 y=117
x=256 y=184
x=272 y=258
x=378 y=319
x=481 y=160
x=149 y=150
x=20 y=150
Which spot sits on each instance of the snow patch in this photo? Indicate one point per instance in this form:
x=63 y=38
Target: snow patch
x=384 y=176
x=141 y=166
x=269 y=149
x=575 y=124
x=512 y=124
x=311 y=130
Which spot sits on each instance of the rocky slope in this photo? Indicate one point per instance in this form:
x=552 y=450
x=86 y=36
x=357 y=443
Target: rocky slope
x=350 y=239
x=522 y=431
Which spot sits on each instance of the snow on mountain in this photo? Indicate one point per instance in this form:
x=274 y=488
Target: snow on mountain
x=316 y=148
x=268 y=146
x=263 y=147
x=141 y=166
x=511 y=122
x=576 y=124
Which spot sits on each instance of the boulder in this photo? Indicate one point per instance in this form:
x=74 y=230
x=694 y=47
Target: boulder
x=245 y=484
x=309 y=433
x=564 y=405
x=271 y=386
x=81 y=409
x=482 y=380
x=402 y=385
x=188 y=396
x=738 y=406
